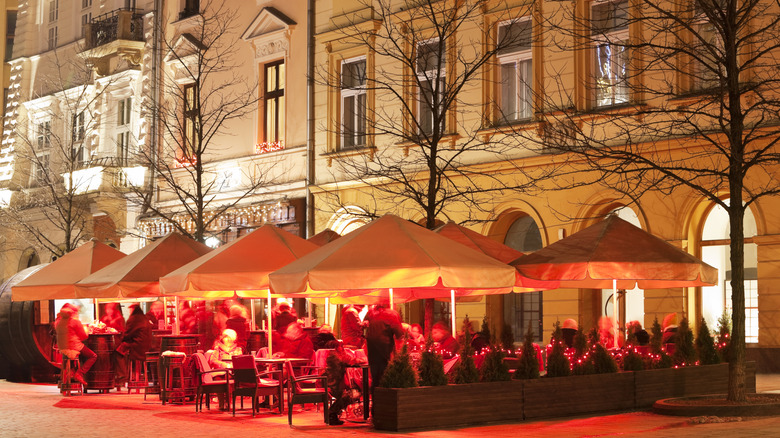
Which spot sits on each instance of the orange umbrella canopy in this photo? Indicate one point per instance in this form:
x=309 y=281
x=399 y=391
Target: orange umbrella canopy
x=137 y=275
x=56 y=280
x=325 y=236
x=615 y=249
x=391 y=252
x=239 y=268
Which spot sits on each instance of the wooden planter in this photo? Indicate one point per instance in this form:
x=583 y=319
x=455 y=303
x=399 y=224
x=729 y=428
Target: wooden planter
x=445 y=406
x=576 y=395
x=434 y=407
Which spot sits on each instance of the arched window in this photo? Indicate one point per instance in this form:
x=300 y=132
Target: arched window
x=524 y=308
x=29 y=258
x=348 y=219
x=716 y=300
x=632 y=304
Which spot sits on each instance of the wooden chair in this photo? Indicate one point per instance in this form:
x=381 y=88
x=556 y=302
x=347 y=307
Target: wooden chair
x=297 y=394
x=207 y=384
x=248 y=382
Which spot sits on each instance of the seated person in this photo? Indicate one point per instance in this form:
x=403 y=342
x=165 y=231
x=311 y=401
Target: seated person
x=323 y=337
x=635 y=330
x=670 y=329
x=443 y=341
x=238 y=323
x=338 y=383
x=283 y=317
x=607 y=334
x=294 y=343
x=479 y=342
x=416 y=340
x=569 y=330
x=225 y=348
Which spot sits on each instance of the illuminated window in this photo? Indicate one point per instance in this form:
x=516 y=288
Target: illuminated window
x=514 y=58
x=609 y=27
x=431 y=69
x=520 y=309
x=274 y=101
x=353 y=103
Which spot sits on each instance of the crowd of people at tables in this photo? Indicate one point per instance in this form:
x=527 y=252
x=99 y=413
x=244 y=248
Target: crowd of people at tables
x=224 y=331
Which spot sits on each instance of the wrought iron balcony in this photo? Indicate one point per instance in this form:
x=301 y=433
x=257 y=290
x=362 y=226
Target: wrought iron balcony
x=119 y=33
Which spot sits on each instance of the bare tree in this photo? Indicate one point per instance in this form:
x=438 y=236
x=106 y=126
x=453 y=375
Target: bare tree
x=420 y=141
x=679 y=94
x=204 y=92
x=52 y=207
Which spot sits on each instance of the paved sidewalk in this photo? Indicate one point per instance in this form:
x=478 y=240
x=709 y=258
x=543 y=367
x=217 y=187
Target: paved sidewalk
x=33 y=410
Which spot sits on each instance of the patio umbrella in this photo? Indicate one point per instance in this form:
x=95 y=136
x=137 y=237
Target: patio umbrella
x=613 y=253
x=137 y=275
x=56 y=280
x=325 y=236
x=393 y=258
x=239 y=268
x=494 y=249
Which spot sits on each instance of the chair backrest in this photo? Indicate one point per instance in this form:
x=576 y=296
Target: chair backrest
x=244 y=371
x=290 y=372
x=203 y=365
x=321 y=357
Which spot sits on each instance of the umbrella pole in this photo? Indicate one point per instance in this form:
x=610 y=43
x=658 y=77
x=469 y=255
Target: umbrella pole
x=615 y=311
x=97 y=309
x=176 y=313
x=327 y=312
x=391 y=298
x=308 y=313
x=270 y=329
x=252 y=306
x=452 y=311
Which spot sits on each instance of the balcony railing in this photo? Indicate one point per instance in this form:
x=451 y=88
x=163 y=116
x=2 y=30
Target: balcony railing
x=120 y=24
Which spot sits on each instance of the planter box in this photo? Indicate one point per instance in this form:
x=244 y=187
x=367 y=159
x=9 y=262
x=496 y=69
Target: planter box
x=446 y=406
x=435 y=407
x=576 y=395
x=653 y=385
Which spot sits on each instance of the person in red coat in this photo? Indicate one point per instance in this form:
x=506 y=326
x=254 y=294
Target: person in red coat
x=70 y=340
x=443 y=341
x=352 y=327
x=295 y=343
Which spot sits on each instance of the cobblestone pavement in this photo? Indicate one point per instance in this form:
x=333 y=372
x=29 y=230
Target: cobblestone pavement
x=36 y=410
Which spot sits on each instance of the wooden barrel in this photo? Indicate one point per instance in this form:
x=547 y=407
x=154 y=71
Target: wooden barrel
x=187 y=344
x=257 y=339
x=101 y=375
x=25 y=348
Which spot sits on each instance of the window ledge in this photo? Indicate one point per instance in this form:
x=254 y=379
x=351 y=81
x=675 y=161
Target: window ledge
x=624 y=109
x=509 y=127
x=447 y=140
x=350 y=152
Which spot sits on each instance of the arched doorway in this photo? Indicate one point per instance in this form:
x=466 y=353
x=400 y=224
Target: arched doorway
x=29 y=258
x=716 y=300
x=520 y=309
x=348 y=219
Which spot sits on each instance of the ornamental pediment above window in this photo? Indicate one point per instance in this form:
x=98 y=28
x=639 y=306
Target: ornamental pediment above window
x=183 y=57
x=269 y=33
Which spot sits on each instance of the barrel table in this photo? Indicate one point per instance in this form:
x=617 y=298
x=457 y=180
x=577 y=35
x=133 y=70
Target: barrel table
x=256 y=340
x=180 y=384
x=101 y=376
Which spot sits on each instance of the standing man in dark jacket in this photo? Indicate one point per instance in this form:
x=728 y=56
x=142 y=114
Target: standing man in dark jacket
x=384 y=330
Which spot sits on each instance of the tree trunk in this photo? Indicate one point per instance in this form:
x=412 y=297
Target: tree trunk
x=736 y=391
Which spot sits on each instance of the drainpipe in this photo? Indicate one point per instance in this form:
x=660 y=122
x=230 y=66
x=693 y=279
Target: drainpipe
x=157 y=35
x=310 y=119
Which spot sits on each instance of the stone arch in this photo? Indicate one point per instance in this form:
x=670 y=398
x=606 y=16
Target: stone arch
x=347 y=219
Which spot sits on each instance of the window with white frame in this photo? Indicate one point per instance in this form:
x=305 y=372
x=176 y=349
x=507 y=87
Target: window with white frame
x=43 y=134
x=123 y=124
x=353 y=103
x=52 y=40
x=707 y=47
x=77 y=127
x=275 y=74
x=609 y=28
x=40 y=168
x=54 y=10
x=431 y=75
x=513 y=49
